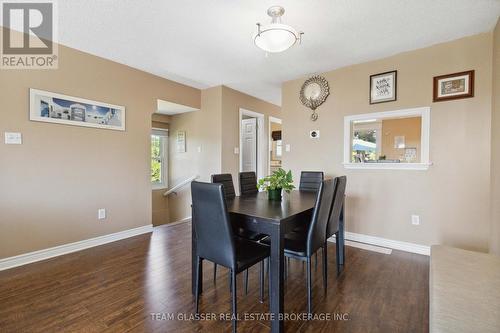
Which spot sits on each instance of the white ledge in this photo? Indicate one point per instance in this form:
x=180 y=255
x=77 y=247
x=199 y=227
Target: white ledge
x=388 y=166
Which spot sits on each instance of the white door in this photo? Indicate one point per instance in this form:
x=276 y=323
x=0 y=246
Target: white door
x=249 y=145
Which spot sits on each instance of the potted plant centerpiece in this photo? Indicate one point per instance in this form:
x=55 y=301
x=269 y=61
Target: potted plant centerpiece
x=275 y=183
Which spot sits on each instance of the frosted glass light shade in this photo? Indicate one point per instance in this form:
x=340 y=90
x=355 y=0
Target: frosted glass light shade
x=276 y=37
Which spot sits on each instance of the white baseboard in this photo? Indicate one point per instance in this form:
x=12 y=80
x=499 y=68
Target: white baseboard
x=388 y=243
x=184 y=220
x=51 y=252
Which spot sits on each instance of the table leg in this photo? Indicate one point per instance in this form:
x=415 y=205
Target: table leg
x=342 y=235
x=277 y=280
x=193 y=262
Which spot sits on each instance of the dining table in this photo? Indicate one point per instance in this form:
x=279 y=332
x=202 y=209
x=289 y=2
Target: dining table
x=274 y=218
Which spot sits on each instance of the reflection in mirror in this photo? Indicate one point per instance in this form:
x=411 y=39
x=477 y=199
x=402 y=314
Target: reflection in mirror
x=386 y=140
x=312 y=91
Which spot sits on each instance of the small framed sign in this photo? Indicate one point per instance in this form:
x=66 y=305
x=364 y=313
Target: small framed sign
x=453 y=86
x=181 y=141
x=383 y=87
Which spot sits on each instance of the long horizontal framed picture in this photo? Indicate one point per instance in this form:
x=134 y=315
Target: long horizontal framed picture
x=453 y=86
x=50 y=107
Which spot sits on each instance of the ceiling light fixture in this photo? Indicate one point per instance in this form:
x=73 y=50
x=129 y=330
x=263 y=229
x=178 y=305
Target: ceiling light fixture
x=276 y=37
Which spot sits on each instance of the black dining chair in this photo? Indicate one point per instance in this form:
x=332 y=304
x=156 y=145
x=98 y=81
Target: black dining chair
x=226 y=179
x=216 y=242
x=310 y=180
x=339 y=184
x=248 y=183
x=302 y=246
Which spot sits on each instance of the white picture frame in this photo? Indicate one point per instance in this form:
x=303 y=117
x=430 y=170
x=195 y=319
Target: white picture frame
x=180 y=141
x=50 y=107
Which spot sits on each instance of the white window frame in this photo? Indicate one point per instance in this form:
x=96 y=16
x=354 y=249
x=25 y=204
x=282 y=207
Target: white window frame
x=164 y=158
x=423 y=112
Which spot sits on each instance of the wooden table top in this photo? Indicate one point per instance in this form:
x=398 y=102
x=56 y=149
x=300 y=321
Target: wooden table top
x=259 y=206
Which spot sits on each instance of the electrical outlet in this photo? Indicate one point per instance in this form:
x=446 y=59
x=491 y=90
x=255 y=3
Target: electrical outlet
x=415 y=220
x=101 y=213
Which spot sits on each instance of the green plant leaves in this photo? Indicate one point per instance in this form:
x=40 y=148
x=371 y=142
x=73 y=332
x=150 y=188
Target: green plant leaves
x=279 y=179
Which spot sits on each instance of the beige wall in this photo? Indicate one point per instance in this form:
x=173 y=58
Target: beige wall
x=275 y=126
x=452 y=197
x=159 y=207
x=52 y=185
x=410 y=128
x=215 y=129
x=203 y=129
x=232 y=101
x=495 y=146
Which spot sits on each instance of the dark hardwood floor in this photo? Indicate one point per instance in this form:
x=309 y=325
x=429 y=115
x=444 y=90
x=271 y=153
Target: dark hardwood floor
x=116 y=287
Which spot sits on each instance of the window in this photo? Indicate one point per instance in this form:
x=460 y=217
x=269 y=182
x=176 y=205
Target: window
x=388 y=140
x=159 y=146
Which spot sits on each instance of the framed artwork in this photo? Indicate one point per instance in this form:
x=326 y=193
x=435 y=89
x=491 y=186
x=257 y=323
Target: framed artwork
x=180 y=142
x=453 y=86
x=55 y=108
x=383 y=87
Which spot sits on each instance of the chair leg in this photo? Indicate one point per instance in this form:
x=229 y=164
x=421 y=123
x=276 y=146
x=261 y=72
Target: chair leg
x=262 y=281
x=325 y=267
x=309 y=291
x=316 y=261
x=337 y=250
x=285 y=270
x=246 y=281
x=197 y=286
x=215 y=272
x=233 y=285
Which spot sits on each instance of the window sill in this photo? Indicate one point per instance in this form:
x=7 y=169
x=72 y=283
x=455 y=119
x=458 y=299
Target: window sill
x=388 y=166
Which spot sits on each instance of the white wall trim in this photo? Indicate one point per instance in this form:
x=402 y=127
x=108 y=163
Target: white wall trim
x=388 y=243
x=260 y=140
x=388 y=166
x=270 y=142
x=55 y=251
x=424 y=112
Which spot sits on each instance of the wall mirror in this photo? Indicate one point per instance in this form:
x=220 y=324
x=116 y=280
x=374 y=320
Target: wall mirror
x=388 y=140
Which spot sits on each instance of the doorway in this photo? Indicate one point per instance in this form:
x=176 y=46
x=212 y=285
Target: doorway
x=275 y=145
x=251 y=142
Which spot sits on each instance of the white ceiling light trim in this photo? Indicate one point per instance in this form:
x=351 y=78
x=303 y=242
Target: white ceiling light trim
x=276 y=37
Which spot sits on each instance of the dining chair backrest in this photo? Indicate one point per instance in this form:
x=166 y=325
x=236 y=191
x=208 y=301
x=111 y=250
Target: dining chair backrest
x=339 y=184
x=316 y=235
x=214 y=234
x=226 y=179
x=310 y=180
x=248 y=183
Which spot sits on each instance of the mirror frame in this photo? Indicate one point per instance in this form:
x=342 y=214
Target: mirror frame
x=424 y=112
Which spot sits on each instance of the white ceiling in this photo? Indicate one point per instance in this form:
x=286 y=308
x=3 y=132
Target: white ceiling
x=204 y=43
